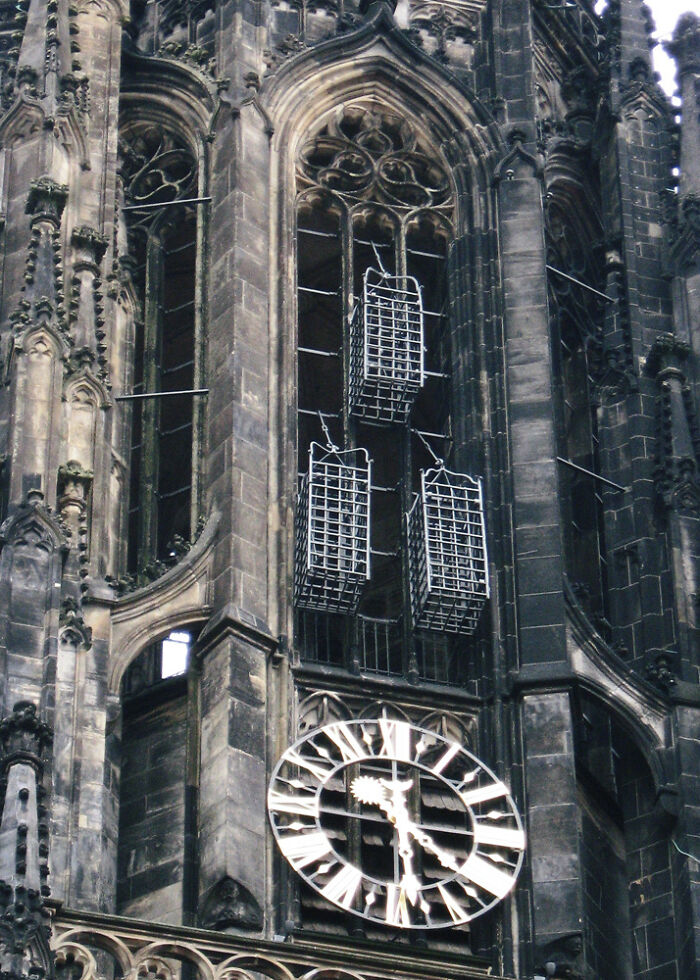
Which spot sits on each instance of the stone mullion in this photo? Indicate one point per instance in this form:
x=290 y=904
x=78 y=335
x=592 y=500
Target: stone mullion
x=199 y=405
x=148 y=490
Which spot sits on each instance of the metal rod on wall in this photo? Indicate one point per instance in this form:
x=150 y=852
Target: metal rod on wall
x=583 y=285
x=165 y=204
x=162 y=394
x=596 y=476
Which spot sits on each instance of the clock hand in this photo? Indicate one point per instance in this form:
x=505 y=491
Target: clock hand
x=369 y=789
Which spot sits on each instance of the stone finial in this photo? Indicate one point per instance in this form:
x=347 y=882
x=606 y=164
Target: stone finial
x=684 y=46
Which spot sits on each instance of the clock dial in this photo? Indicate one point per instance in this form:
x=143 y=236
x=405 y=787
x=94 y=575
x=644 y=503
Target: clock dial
x=395 y=823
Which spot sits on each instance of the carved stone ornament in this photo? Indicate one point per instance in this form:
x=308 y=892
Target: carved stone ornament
x=74 y=482
x=23 y=736
x=662 y=668
x=156 y=165
x=33 y=525
x=562 y=959
x=47 y=198
x=72 y=628
x=230 y=904
x=89 y=243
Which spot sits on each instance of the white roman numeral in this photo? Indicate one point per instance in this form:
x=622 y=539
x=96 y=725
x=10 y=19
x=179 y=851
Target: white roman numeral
x=492 y=791
x=343 y=738
x=317 y=770
x=343 y=886
x=396 y=739
x=304 y=806
x=485 y=833
x=484 y=874
x=303 y=849
x=458 y=913
x=446 y=758
x=396 y=907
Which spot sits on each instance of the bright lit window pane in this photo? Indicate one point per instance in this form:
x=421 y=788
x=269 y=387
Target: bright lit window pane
x=174 y=654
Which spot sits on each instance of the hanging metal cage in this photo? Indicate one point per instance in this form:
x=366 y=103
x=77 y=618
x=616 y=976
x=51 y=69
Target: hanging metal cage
x=332 y=530
x=447 y=552
x=386 y=348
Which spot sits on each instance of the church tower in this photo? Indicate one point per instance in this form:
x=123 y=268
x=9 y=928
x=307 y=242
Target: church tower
x=349 y=491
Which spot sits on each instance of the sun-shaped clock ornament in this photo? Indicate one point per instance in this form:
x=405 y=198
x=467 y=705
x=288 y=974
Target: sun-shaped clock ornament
x=395 y=823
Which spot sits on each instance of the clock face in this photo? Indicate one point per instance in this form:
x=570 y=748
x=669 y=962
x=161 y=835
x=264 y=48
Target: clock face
x=395 y=823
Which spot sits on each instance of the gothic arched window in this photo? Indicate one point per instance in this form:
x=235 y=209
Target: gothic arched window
x=159 y=170
x=577 y=317
x=375 y=215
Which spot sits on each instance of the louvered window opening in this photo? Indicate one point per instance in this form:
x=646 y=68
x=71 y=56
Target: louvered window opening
x=332 y=531
x=447 y=553
x=386 y=348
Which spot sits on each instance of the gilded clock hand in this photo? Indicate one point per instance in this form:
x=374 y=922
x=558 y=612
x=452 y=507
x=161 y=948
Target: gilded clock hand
x=369 y=789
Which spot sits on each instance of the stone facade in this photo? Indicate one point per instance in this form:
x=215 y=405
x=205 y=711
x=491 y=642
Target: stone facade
x=191 y=192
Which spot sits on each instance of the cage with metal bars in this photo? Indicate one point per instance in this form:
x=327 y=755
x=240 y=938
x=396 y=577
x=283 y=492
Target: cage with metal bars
x=447 y=552
x=386 y=348
x=333 y=530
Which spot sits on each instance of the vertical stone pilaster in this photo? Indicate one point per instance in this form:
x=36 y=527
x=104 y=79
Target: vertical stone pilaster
x=553 y=829
x=232 y=653
x=528 y=365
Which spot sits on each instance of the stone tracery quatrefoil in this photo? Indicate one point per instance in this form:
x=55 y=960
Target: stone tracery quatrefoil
x=369 y=155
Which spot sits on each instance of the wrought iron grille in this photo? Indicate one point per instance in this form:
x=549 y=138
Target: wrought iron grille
x=332 y=530
x=386 y=348
x=447 y=552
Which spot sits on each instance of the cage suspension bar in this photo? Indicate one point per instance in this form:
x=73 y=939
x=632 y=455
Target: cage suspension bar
x=165 y=204
x=596 y=476
x=162 y=394
x=583 y=285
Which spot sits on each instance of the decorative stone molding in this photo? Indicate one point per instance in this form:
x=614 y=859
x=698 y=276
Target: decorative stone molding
x=24 y=931
x=132 y=951
x=562 y=959
x=33 y=525
x=517 y=162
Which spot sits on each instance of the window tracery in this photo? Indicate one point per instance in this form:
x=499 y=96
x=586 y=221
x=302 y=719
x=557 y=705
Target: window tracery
x=373 y=194
x=158 y=170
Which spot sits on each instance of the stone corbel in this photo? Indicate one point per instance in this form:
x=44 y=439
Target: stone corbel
x=518 y=162
x=47 y=199
x=74 y=482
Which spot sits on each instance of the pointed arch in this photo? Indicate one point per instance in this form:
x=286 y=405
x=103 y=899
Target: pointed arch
x=84 y=386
